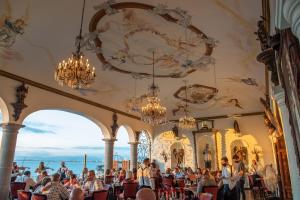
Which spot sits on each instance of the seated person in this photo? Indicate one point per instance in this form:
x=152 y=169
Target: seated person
x=178 y=174
x=145 y=194
x=43 y=183
x=206 y=180
x=122 y=175
x=92 y=184
x=76 y=194
x=55 y=190
x=129 y=177
x=72 y=182
x=168 y=173
x=30 y=183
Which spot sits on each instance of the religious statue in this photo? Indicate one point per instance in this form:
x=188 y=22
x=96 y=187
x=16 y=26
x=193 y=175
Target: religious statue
x=179 y=155
x=207 y=157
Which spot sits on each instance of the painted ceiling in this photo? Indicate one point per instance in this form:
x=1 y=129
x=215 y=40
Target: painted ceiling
x=209 y=43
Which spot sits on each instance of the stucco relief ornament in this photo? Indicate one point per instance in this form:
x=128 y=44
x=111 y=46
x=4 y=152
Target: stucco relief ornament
x=107 y=7
x=88 y=43
x=107 y=66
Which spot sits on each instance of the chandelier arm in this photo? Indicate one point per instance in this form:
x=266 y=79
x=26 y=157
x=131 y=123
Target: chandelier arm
x=80 y=31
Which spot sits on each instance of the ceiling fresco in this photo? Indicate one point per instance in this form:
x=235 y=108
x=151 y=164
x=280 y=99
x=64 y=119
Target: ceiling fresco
x=128 y=34
x=209 y=43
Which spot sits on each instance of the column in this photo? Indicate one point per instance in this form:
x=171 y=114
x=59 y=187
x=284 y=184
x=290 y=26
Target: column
x=223 y=142
x=108 y=153
x=195 y=151
x=7 y=152
x=292 y=160
x=133 y=154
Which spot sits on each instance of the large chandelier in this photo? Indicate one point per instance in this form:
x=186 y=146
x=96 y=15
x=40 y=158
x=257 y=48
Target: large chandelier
x=75 y=72
x=186 y=122
x=153 y=112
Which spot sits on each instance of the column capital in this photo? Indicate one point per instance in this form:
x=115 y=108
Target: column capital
x=134 y=143
x=11 y=127
x=279 y=95
x=107 y=140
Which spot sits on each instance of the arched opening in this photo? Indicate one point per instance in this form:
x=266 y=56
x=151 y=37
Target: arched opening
x=144 y=146
x=121 y=148
x=53 y=136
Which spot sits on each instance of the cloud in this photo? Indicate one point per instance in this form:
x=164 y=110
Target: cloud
x=33 y=130
x=88 y=147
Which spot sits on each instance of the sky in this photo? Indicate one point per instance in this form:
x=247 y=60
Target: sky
x=57 y=131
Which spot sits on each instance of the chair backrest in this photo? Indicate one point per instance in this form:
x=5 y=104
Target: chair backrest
x=251 y=181
x=205 y=196
x=109 y=179
x=167 y=182
x=130 y=190
x=180 y=183
x=100 y=195
x=211 y=190
x=23 y=195
x=39 y=197
x=14 y=187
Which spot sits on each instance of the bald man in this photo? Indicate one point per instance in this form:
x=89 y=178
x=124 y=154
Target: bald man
x=77 y=194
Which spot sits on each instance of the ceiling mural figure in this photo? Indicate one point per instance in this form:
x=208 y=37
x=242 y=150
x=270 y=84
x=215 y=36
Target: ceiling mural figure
x=119 y=33
x=196 y=94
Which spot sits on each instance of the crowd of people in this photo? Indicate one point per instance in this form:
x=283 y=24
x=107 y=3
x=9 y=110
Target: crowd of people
x=64 y=184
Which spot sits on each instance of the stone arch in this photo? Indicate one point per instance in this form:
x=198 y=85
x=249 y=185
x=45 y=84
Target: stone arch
x=103 y=128
x=4 y=111
x=130 y=132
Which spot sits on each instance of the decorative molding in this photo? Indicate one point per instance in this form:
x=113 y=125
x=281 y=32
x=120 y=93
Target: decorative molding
x=11 y=127
x=114 y=126
x=64 y=94
x=19 y=105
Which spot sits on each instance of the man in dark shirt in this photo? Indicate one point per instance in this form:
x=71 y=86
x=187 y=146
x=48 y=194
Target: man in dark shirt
x=240 y=170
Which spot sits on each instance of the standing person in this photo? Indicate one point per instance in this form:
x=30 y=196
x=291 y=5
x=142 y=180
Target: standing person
x=25 y=178
x=153 y=175
x=207 y=157
x=225 y=176
x=55 y=190
x=240 y=173
x=143 y=174
x=41 y=168
x=62 y=171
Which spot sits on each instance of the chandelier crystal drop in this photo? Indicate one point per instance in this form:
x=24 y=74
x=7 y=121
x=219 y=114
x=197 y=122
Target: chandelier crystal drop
x=186 y=122
x=153 y=112
x=76 y=71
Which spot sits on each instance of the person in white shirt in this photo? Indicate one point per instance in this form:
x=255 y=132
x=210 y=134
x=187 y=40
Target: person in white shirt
x=25 y=178
x=92 y=184
x=143 y=174
x=226 y=175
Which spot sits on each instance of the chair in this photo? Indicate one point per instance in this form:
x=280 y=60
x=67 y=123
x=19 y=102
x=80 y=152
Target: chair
x=205 y=196
x=23 y=195
x=109 y=179
x=180 y=183
x=100 y=195
x=130 y=190
x=14 y=187
x=211 y=190
x=38 y=197
x=167 y=182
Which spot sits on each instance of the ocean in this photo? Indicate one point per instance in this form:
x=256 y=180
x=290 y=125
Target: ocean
x=74 y=158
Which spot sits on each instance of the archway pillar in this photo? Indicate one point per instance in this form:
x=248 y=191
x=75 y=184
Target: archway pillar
x=133 y=155
x=108 y=153
x=279 y=95
x=7 y=152
x=223 y=143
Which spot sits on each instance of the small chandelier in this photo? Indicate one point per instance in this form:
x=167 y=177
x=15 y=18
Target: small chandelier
x=186 y=122
x=153 y=112
x=76 y=72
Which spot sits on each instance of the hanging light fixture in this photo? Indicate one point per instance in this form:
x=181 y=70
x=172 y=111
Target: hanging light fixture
x=153 y=112
x=186 y=122
x=76 y=71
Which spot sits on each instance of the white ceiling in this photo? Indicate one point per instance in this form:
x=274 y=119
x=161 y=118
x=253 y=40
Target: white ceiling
x=52 y=26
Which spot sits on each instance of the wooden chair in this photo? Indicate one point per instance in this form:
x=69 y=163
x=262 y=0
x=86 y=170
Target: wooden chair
x=130 y=190
x=205 y=196
x=211 y=190
x=100 y=195
x=38 y=197
x=180 y=183
x=14 y=187
x=23 y=195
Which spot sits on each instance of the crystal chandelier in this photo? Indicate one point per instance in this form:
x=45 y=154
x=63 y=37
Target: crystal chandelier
x=75 y=72
x=153 y=112
x=186 y=122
